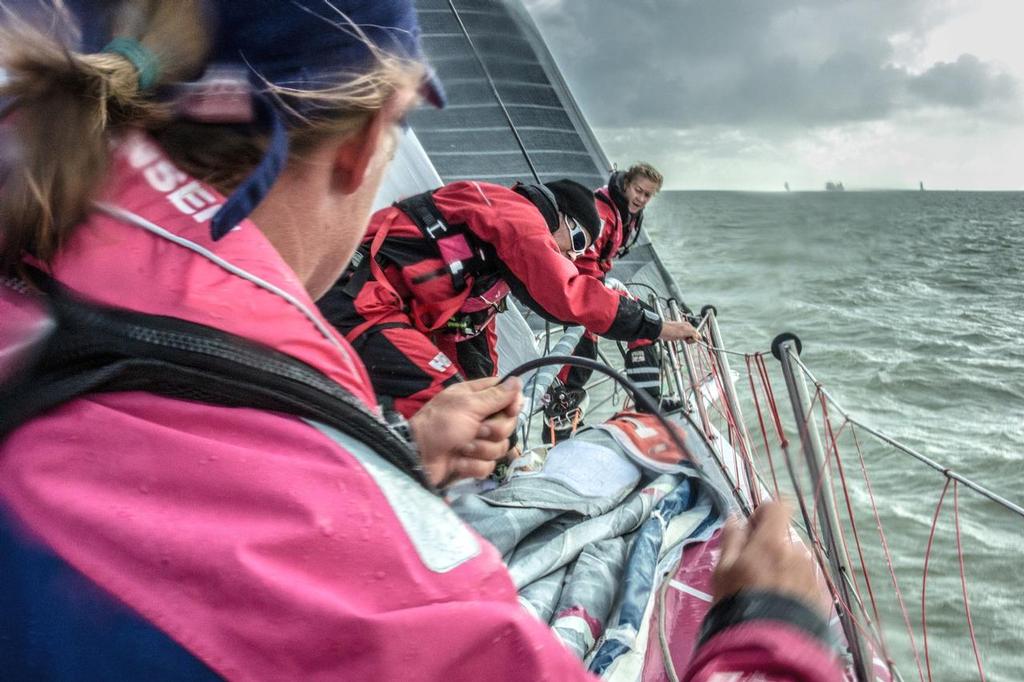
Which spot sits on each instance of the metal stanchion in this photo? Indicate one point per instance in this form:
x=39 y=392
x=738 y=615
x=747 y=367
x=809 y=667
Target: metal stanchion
x=675 y=368
x=698 y=398
x=731 y=398
x=784 y=348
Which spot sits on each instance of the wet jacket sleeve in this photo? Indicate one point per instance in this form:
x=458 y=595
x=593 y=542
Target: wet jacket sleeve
x=267 y=549
x=763 y=636
x=550 y=281
x=649 y=324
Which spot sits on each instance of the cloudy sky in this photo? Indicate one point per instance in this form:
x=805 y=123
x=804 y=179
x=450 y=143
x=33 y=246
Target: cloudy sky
x=749 y=94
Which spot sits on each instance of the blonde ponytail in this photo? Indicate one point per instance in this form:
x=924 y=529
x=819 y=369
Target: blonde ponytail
x=66 y=106
x=63 y=107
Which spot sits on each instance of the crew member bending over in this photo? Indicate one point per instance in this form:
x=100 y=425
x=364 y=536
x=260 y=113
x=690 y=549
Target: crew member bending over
x=418 y=301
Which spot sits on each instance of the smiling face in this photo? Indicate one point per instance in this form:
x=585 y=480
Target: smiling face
x=639 y=191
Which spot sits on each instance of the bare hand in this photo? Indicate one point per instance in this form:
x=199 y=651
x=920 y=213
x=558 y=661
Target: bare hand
x=672 y=330
x=760 y=555
x=464 y=429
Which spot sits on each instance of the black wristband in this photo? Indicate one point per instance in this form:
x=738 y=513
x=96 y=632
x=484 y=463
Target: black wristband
x=651 y=324
x=752 y=605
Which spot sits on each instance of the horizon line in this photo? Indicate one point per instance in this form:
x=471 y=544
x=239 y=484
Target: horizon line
x=825 y=191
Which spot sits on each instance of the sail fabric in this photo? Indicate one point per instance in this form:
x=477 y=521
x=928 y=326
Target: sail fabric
x=587 y=538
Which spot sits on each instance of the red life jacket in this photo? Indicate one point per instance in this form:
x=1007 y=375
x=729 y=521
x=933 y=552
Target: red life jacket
x=622 y=234
x=464 y=258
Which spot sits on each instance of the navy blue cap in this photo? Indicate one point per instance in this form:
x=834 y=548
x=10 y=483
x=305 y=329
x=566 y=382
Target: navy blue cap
x=300 y=44
x=306 y=45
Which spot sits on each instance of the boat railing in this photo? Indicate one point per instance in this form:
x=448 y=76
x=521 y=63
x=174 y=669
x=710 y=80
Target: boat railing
x=778 y=432
x=836 y=470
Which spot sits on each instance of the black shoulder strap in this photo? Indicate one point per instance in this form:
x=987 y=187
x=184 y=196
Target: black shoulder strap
x=423 y=211
x=97 y=349
x=603 y=196
x=606 y=251
x=634 y=233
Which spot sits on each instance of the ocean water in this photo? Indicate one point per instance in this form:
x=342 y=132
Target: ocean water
x=910 y=306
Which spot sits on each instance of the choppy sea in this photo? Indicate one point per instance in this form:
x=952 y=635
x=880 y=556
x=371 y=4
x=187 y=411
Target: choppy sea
x=910 y=306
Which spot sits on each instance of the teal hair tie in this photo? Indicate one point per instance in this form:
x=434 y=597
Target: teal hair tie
x=144 y=61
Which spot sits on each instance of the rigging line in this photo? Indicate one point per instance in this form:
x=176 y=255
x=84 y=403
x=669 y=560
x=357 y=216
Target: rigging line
x=820 y=556
x=769 y=393
x=945 y=471
x=819 y=484
x=604 y=401
x=841 y=606
x=764 y=429
x=494 y=89
x=734 y=429
x=733 y=422
x=717 y=349
x=963 y=580
x=644 y=285
x=888 y=559
x=834 y=438
x=924 y=579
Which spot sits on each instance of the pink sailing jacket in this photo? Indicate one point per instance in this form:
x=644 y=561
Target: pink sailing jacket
x=261 y=546
x=265 y=547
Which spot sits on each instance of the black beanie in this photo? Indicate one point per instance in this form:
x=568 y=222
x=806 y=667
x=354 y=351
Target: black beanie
x=540 y=197
x=576 y=201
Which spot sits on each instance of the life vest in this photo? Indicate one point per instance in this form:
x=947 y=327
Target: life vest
x=643 y=437
x=468 y=261
x=611 y=195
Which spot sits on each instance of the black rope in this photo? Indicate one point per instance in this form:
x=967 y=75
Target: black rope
x=494 y=89
x=642 y=399
x=648 y=287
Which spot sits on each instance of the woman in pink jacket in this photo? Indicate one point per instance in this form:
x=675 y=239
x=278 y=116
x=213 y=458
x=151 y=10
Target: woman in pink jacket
x=223 y=177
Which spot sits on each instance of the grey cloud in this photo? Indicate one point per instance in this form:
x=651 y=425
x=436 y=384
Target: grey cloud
x=967 y=83
x=788 y=63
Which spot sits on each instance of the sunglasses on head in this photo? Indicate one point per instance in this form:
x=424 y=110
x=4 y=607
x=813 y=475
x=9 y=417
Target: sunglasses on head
x=577 y=235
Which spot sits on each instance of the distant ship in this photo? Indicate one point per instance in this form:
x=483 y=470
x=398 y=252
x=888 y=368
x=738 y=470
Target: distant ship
x=834 y=186
x=920 y=183
x=787 y=186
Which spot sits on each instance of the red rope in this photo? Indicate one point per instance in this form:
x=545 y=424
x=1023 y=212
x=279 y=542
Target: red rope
x=873 y=637
x=963 y=579
x=770 y=395
x=924 y=579
x=760 y=420
x=820 y=556
x=888 y=557
x=834 y=437
x=832 y=452
x=734 y=430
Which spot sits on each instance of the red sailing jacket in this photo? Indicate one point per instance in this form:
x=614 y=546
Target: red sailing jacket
x=597 y=260
x=410 y=279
